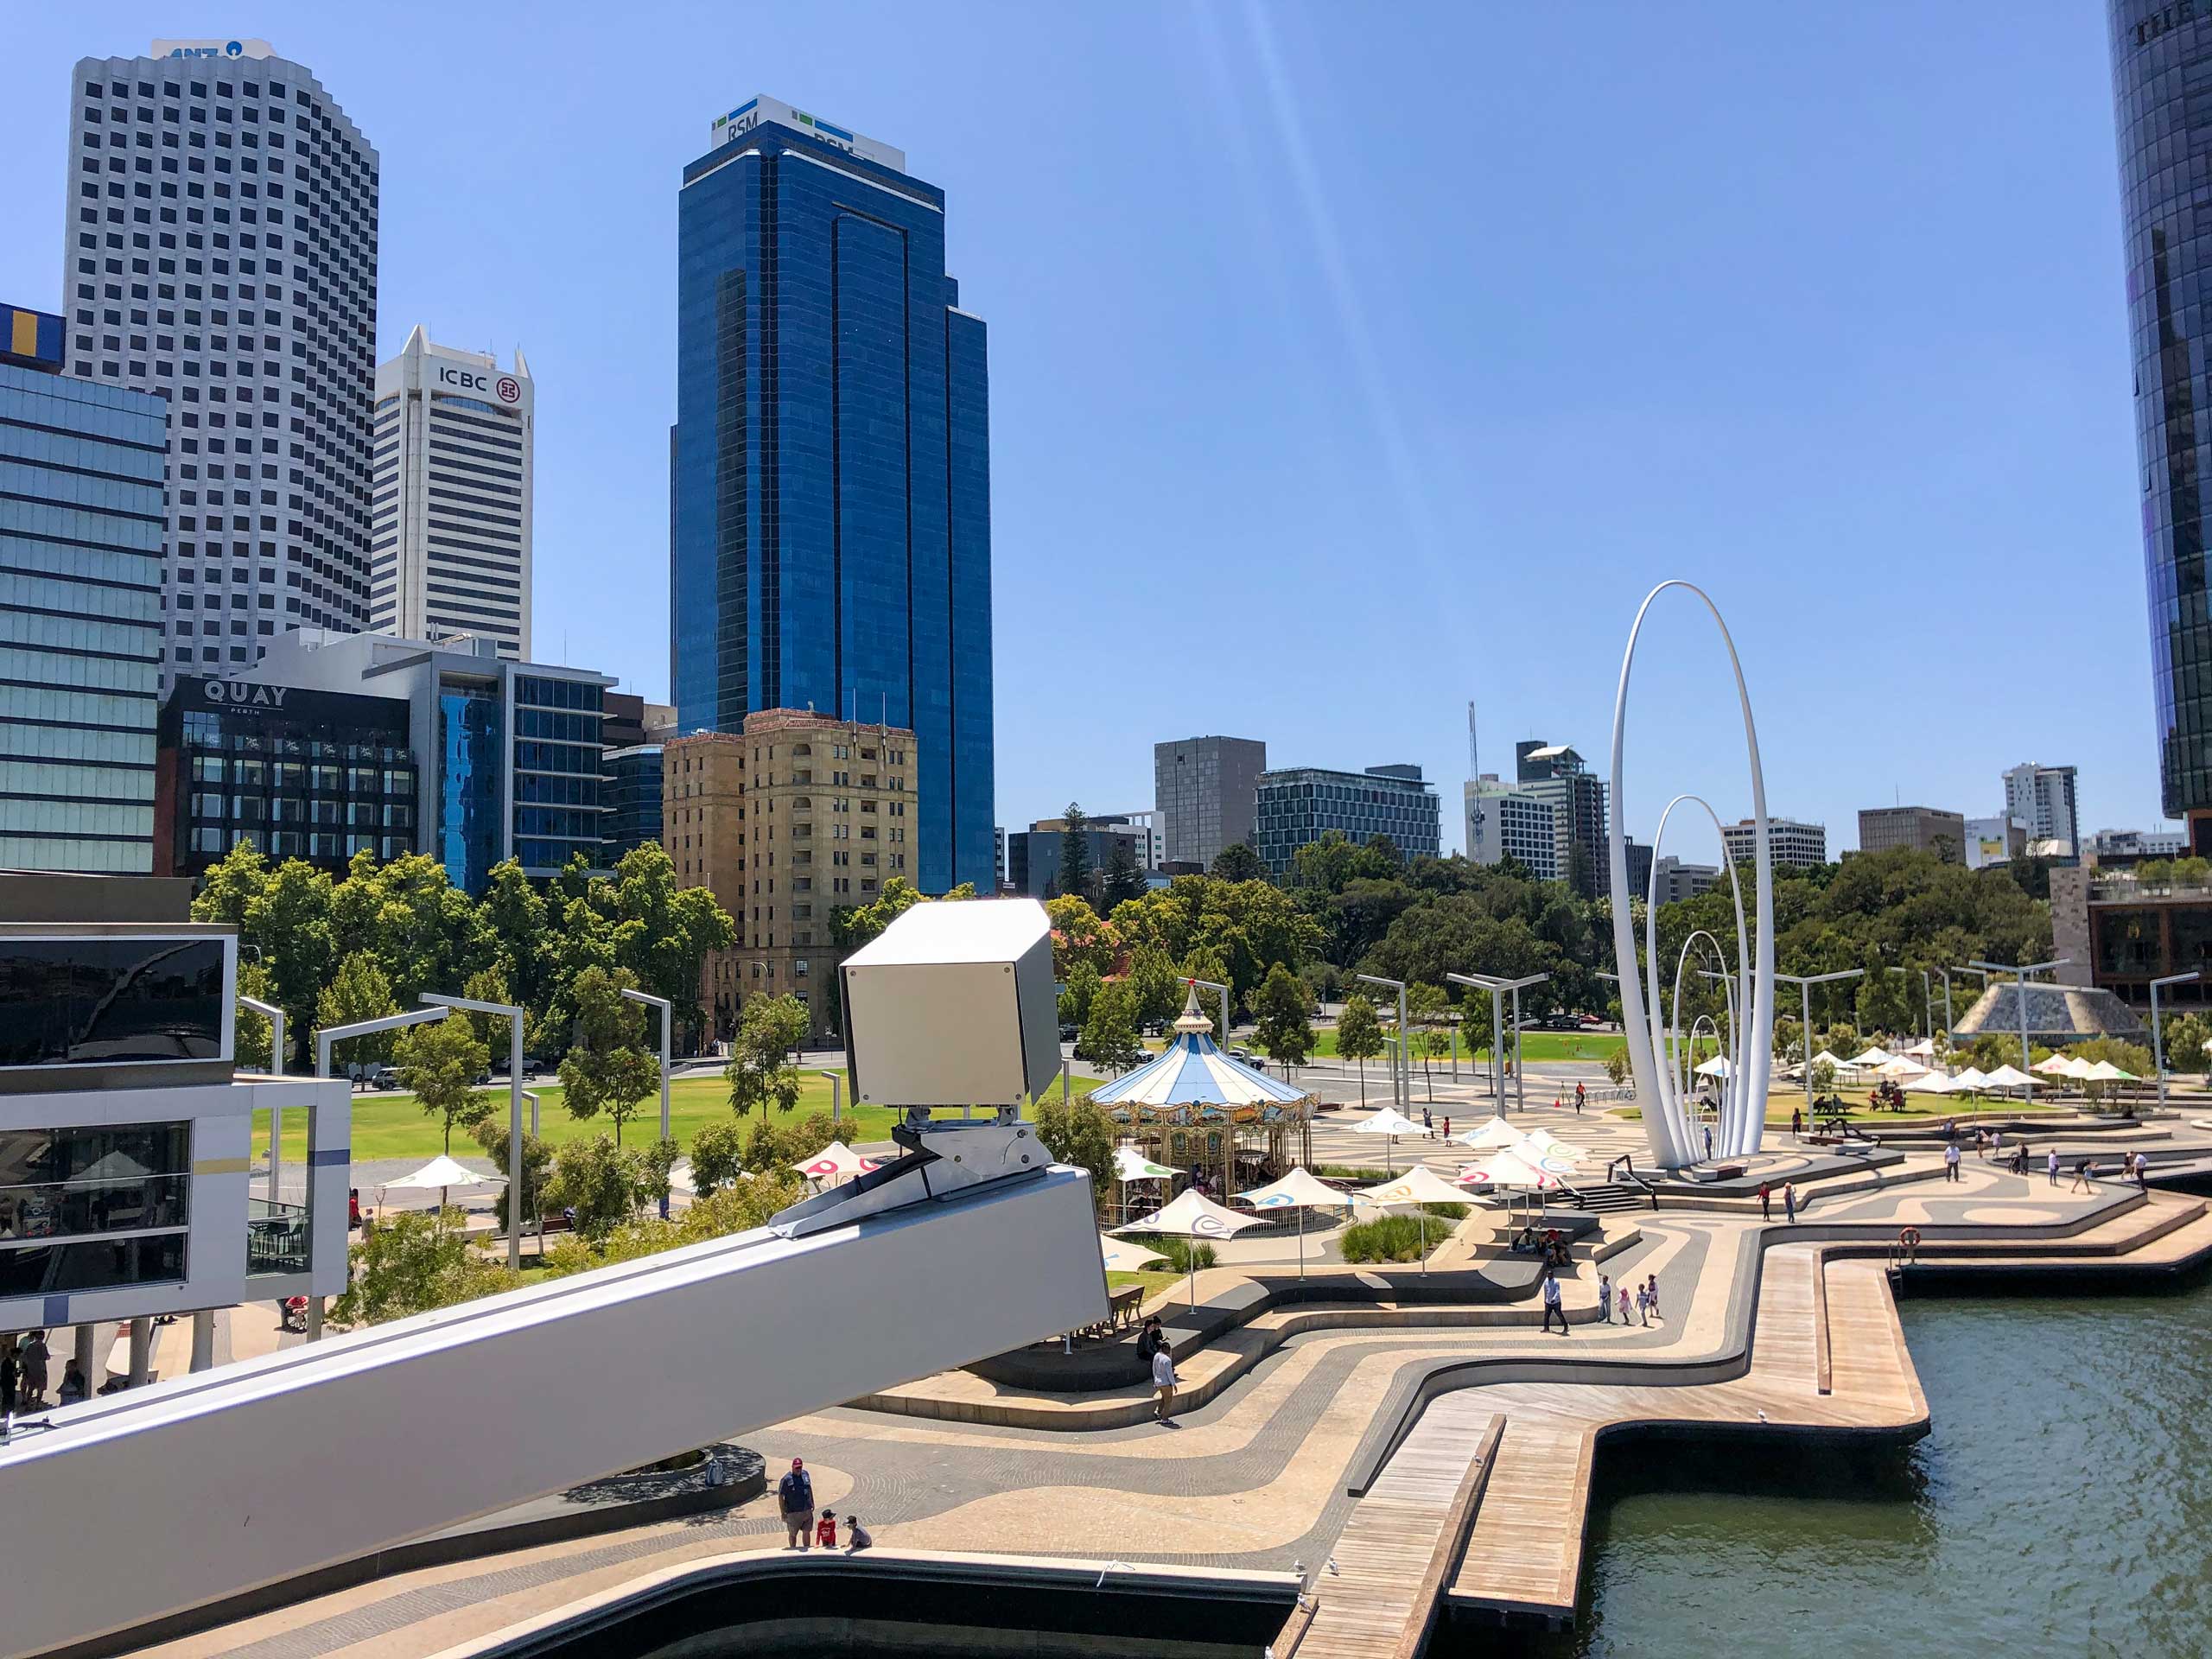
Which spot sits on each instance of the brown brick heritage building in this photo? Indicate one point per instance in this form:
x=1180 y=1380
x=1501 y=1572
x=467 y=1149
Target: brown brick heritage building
x=797 y=815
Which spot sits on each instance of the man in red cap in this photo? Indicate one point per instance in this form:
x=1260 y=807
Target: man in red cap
x=795 y=1498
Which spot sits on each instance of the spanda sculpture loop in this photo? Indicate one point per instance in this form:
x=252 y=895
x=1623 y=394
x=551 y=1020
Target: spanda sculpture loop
x=1666 y=1119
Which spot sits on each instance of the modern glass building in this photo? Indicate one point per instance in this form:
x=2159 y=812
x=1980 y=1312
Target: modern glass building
x=318 y=775
x=81 y=609
x=830 y=462
x=633 y=818
x=221 y=251
x=1302 y=803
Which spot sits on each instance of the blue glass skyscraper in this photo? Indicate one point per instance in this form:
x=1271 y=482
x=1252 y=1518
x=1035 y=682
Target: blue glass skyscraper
x=830 y=535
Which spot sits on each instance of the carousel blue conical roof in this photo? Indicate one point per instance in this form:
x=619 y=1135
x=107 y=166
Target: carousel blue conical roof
x=1195 y=1073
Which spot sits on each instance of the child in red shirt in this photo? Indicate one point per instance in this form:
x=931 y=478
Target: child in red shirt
x=825 y=1533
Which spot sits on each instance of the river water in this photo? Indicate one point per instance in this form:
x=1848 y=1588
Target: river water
x=2061 y=1504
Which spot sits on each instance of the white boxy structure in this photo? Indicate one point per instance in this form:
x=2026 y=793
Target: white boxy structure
x=847 y=1294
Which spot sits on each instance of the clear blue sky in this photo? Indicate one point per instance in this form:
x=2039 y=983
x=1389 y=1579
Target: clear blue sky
x=1351 y=362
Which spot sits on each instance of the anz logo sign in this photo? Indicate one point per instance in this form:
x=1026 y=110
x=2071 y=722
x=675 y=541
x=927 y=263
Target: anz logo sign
x=228 y=49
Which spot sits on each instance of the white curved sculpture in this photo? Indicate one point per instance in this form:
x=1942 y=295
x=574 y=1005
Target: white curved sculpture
x=1664 y=1122
x=1651 y=942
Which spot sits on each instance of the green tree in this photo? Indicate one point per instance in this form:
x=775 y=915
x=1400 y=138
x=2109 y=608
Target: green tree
x=491 y=1132
x=608 y=1069
x=662 y=933
x=760 y=1071
x=717 y=1157
x=1284 y=1030
x=1082 y=990
x=1427 y=1009
x=852 y=926
x=424 y=933
x=1110 y=1036
x=1080 y=935
x=605 y=1184
x=1081 y=1134
x=1073 y=880
x=439 y=1065
x=1237 y=862
x=2189 y=1042
x=490 y=985
x=1122 y=879
x=1617 y=1066
x=1157 y=988
x=1359 y=1035
x=288 y=921
x=229 y=888
x=357 y=991
x=515 y=913
x=413 y=1263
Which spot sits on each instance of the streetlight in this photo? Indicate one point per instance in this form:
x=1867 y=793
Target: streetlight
x=1401 y=1084
x=837 y=1083
x=667 y=1015
x=513 y=1016
x=1222 y=992
x=1804 y=983
x=2020 y=972
x=275 y=1015
x=2157 y=1047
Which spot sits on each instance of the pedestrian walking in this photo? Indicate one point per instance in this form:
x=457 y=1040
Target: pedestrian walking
x=1766 y=1202
x=1163 y=1380
x=1624 y=1304
x=2081 y=1181
x=1447 y=1128
x=2051 y=1165
x=1796 y=1121
x=34 y=1358
x=1789 y=1200
x=1552 y=1304
x=1951 y=1162
x=795 y=1502
x=1605 y=1296
x=1579 y=1092
x=1651 y=1290
x=1708 y=1143
x=1643 y=1304
x=2142 y=1185
x=1427 y=1123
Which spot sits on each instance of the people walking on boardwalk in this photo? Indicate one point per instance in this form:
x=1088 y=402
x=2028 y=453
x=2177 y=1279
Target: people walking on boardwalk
x=1605 y=1296
x=1579 y=1091
x=1789 y=1200
x=1651 y=1287
x=1551 y=1307
x=825 y=1531
x=1796 y=1121
x=2085 y=1176
x=1951 y=1162
x=1624 y=1295
x=1766 y=1201
x=795 y=1501
x=1643 y=1304
x=2142 y=1185
x=2051 y=1165
x=1427 y=1123
x=1447 y=1126
x=1163 y=1378
x=857 y=1535
x=34 y=1358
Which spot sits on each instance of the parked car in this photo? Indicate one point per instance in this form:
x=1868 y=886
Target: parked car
x=1069 y=1034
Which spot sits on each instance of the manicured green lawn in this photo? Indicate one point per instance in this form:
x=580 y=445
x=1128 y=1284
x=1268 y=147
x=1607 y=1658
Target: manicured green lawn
x=395 y=1127
x=1535 y=1045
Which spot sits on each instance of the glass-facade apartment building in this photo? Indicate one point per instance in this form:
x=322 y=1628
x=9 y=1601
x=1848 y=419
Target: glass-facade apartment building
x=81 y=609
x=221 y=249
x=1299 y=804
x=830 y=462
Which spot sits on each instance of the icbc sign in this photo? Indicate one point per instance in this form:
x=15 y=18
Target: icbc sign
x=509 y=391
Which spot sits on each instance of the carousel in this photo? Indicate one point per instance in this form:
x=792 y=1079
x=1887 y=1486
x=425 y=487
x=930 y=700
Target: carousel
x=1195 y=1107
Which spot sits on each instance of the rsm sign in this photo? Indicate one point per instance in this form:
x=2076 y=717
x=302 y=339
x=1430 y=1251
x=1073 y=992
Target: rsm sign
x=471 y=381
x=243 y=694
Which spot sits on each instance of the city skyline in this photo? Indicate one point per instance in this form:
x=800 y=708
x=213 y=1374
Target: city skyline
x=1448 y=438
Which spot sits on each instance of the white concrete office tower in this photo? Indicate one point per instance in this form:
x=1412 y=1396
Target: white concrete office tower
x=1503 y=822
x=1789 y=841
x=2042 y=799
x=449 y=531
x=221 y=252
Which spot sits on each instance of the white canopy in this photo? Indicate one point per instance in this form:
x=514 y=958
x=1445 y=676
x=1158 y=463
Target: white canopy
x=2054 y=1065
x=834 y=1161
x=1388 y=1121
x=1875 y=1056
x=1932 y=1082
x=1925 y=1048
x=1507 y=1168
x=1130 y=1164
x=1546 y=1151
x=1898 y=1067
x=1831 y=1058
x=2106 y=1071
x=1419 y=1185
x=441 y=1172
x=1192 y=1215
x=1299 y=1189
x=1122 y=1256
x=1495 y=1132
x=1718 y=1066
x=2007 y=1077
x=1972 y=1077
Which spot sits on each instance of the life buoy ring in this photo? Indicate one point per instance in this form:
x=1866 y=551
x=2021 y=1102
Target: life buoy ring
x=1909 y=1238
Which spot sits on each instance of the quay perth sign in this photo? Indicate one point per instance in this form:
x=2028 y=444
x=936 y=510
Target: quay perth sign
x=243 y=694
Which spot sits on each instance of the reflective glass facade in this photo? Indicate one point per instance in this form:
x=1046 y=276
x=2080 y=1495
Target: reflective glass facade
x=2162 y=58
x=1303 y=804
x=82 y=1209
x=830 y=469
x=634 y=792
x=80 y=621
x=469 y=769
x=559 y=777
x=101 y=1001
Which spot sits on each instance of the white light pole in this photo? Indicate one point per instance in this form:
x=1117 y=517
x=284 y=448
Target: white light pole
x=1401 y=1086
x=1222 y=992
x=1490 y=988
x=2158 y=1044
x=837 y=1083
x=667 y=1015
x=275 y=1015
x=513 y=1017
x=1804 y=983
x=2020 y=973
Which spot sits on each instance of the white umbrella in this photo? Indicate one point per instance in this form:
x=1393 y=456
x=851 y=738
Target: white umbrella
x=1875 y=1056
x=1192 y=1215
x=1388 y=1121
x=2054 y=1065
x=440 y=1174
x=2080 y=1070
x=835 y=1161
x=1718 y=1066
x=1898 y=1067
x=1932 y=1082
x=2007 y=1077
x=1550 y=1153
x=1301 y=1191
x=1926 y=1046
x=1495 y=1132
x=1130 y=1164
x=1972 y=1077
x=1418 y=1185
x=1509 y=1169
x=1121 y=1256
x=2106 y=1071
x=1830 y=1059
